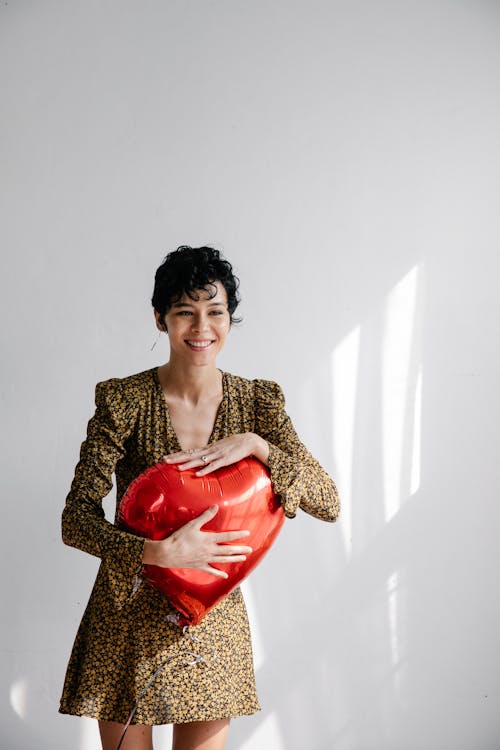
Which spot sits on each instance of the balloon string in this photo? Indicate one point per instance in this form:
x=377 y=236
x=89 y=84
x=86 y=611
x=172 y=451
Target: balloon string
x=196 y=659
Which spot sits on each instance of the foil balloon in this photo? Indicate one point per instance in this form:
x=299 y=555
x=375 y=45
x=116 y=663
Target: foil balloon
x=163 y=498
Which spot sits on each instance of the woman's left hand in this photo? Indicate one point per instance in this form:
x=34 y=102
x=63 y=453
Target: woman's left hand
x=223 y=452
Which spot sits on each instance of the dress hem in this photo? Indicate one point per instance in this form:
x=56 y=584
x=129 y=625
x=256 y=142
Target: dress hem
x=134 y=722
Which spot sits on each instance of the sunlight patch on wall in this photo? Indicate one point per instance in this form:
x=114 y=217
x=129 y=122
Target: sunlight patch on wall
x=396 y=619
x=19 y=697
x=259 y=656
x=392 y=605
x=345 y=358
x=417 y=436
x=397 y=352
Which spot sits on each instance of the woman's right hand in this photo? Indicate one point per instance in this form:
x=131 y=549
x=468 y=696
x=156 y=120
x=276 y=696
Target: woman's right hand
x=190 y=547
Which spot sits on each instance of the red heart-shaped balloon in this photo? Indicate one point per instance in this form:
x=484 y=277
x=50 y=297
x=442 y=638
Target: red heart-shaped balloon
x=163 y=498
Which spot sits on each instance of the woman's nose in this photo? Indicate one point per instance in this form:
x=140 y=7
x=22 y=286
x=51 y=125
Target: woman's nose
x=199 y=322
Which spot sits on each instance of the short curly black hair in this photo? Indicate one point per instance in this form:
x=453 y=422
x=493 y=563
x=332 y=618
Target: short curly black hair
x=188 y=269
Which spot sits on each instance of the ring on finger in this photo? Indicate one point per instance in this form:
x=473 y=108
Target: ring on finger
x=204 y=459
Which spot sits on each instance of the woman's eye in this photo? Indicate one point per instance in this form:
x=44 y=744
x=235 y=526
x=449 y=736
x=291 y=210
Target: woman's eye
x=189 y=312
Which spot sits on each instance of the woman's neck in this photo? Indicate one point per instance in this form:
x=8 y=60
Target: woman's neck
x=190 y=384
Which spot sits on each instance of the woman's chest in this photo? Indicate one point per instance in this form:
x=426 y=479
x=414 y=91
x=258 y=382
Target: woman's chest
x=194 y=426
x=160 y=428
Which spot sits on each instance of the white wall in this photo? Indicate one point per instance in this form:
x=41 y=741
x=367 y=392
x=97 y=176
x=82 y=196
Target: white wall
x=345 y=156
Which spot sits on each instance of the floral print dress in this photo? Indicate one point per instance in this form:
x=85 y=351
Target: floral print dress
x=128 y=651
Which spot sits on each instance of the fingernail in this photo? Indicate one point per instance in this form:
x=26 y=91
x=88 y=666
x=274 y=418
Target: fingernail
x=214 y=507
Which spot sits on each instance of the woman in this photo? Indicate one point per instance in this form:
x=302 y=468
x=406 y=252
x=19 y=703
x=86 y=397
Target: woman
x=129 y=653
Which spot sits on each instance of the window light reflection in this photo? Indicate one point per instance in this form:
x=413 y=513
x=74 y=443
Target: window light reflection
x=345 y=358
x=397 y=350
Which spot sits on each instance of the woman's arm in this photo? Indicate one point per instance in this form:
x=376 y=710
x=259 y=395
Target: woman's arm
x=298 y=478
x=83 y=523
x=85 y=527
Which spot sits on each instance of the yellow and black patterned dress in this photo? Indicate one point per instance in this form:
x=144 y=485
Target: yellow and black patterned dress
x=125 y=634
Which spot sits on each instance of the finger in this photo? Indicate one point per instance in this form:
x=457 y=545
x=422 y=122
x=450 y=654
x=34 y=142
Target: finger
x=189 y=463
x=205 y=517
x=183 y=458
x=226 y=549
x=229 y=536
x=207 y=459
x=181 y=455
x=175 y=456
x=212 y=466
x=215 y=572
x=228 y=559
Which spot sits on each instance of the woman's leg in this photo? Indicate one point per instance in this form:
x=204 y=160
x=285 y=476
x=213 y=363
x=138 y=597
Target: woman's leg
x=138 y=736
x=201 y=735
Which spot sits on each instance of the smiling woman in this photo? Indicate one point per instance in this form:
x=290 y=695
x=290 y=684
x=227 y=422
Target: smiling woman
x=130 y=663
x=199 y=325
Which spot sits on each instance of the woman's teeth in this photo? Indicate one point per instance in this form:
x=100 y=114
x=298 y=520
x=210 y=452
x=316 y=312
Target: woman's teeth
x=199 y=344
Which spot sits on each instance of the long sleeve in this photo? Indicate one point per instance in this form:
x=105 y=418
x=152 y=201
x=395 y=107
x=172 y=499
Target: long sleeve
x=297 y=477
x=83 y=523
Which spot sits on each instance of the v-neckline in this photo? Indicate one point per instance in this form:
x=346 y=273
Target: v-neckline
x=168 y=419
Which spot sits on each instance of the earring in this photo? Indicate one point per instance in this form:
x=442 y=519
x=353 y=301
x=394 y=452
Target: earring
x=157 y=339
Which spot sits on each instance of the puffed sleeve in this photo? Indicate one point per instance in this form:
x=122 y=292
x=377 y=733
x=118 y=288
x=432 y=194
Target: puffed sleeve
x=297 y=476
x=83 y=523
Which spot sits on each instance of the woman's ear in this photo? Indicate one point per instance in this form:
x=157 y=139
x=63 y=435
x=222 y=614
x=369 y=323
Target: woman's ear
x=160 y=324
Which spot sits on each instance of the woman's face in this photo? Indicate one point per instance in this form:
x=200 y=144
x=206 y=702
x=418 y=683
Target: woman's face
x=197 y=329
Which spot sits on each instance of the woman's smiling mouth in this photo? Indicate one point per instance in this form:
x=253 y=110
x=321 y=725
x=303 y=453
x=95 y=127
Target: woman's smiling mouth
x=198 y=345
